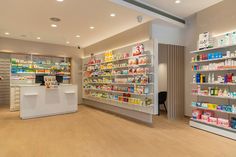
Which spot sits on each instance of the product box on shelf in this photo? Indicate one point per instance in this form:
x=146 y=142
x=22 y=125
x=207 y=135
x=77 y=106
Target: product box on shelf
x=213 y=120
x=233 y=122
x=205 y=41
x=209 y=113
x=196 y=114
x=205 y=118
x=223 y=122
x=138 y=50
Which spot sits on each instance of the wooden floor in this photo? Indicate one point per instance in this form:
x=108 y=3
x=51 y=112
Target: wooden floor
x=93 y=133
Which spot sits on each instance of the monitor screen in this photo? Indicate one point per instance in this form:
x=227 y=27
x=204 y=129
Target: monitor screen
x=59 y=79
x=39 y=79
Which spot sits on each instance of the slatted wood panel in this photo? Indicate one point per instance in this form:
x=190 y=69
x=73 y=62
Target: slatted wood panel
x=5 y=83
x=175 y=81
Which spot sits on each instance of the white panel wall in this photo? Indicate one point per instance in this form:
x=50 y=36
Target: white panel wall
x=167 y=33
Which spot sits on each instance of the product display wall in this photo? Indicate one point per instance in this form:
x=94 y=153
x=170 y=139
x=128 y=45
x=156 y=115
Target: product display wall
x=24 y=68
x=123 y=78
x=214 y=89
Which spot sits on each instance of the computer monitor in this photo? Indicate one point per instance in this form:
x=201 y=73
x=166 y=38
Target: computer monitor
x=59 y=78
x=40 y=79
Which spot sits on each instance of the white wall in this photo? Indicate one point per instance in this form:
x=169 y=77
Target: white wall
x=21 y=46
x=167 y=33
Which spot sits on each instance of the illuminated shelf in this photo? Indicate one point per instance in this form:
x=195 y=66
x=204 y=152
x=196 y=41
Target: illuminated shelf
x=220 y=84
x=212 y=60
x=115 y=83
x=143 y=55
x=213 y=110
x=222 y=131
x=219 y=97
x=214 y=48
x=226 y=69
x=119 y=75
x=120 y=92
x=130 y=66
x=146 y=109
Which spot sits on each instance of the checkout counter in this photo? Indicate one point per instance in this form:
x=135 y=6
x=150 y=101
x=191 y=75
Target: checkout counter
x=45 y=100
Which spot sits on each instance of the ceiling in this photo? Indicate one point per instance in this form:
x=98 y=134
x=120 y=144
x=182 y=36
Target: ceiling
x=184 y=9
x=29 y=19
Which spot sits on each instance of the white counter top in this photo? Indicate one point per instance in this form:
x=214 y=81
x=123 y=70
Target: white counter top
x=25 y=85
x=39 y=101
x=34 y=85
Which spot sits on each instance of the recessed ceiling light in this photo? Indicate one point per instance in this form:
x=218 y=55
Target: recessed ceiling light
x=177 y=1
x=112 y=14
x=53 y=25
x=77 y=36
x=38 y=38
x=67 y=42
x=60 y=0
x=7 y=33
x=91 y=27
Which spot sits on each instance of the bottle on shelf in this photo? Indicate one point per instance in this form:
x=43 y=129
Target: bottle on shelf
x=209 y=78
x=212 y=78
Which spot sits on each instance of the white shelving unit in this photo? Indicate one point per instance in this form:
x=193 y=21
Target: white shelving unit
x=212 y=70
x=226 y=132
x=216 y=129
x=213 y=110
x=110 y=91
x=213 y=60
x=218 y=97
x=214 y=48
x=218 y=84
x=133 y=110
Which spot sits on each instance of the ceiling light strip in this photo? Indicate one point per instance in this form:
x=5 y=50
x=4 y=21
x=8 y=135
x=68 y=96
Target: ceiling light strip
x=154 y=10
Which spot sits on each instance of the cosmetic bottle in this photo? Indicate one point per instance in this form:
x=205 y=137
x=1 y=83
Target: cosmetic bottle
x=212 y=78
x=209 y=78
x=233 y=38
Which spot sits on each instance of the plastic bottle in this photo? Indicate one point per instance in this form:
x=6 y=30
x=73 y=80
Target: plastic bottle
x=209 y=78
x=233 y=38
x=216 y=91
x=226 y=39
x=212 y=78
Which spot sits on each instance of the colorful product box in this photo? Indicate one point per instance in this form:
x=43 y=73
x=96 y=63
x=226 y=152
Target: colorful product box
x=223 y=122
x=212 y=106
x=209 y=113
x=213 y=120
x=196 y=114
x=194 y=104
x=205 y=118
x=204 y=105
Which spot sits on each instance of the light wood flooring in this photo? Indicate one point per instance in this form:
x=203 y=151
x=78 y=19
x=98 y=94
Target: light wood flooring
x=94 y=133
